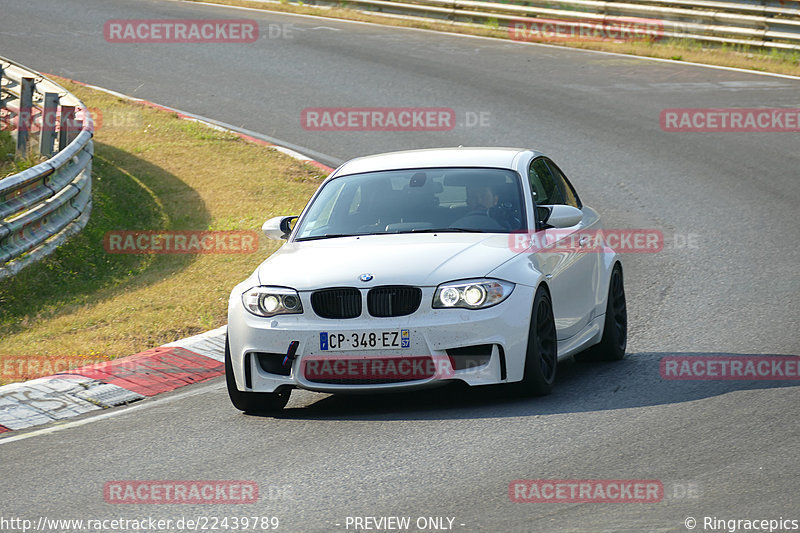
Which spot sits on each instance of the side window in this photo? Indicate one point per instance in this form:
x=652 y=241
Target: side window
x=567 y=192
x=544 y=187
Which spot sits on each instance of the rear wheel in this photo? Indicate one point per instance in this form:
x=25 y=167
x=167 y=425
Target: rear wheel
x=615 y=331
x=252 y=402
x=541 y=357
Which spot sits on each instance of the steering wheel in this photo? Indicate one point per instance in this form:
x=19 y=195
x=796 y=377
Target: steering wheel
x=479 y=220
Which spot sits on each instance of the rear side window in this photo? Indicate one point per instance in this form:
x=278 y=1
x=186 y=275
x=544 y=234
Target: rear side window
x=543 y=185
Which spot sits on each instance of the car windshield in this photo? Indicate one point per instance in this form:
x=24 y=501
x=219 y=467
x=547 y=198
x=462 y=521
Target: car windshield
x=483 y=200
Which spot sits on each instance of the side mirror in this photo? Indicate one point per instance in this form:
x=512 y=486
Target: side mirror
x=278 y=228
x=560 y=216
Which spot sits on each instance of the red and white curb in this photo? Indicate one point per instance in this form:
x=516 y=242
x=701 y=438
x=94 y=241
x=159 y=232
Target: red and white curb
x=112 y=383
x=121 y=381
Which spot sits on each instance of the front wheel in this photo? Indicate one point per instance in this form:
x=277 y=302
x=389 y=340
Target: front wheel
x=541 y=357
x=252 y=402
x=615 y=331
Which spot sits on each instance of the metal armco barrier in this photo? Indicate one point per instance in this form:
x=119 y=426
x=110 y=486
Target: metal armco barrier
x=757 y=23
x=40 y=208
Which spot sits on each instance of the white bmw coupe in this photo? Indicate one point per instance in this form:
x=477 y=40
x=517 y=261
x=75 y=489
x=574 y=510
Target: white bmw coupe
x=410 y=269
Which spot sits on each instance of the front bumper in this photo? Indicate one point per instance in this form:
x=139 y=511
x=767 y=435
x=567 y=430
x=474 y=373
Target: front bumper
x=432 y=333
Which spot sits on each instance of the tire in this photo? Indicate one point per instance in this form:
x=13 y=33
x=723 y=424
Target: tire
x=615 y=331
x=541 y=356
x=252 y=402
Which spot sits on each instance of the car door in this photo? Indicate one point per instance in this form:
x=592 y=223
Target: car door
x=571 y=272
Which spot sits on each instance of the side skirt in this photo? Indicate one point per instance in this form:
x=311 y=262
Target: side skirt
x=589 y=336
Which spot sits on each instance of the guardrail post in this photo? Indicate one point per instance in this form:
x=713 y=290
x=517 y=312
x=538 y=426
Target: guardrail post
x=1 y=87
x=43 y=206
x=65 y=125
x=25 y=115
x=47 y=136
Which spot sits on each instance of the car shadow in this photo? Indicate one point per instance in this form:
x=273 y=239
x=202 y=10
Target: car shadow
x=580 y=387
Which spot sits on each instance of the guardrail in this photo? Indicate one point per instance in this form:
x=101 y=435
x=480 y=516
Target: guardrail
x=757 y=23
x=43 y=206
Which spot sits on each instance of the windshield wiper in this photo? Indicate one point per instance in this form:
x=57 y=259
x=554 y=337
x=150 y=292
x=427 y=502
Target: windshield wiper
x=444 y=230
x=330 y=236
x=417 y=230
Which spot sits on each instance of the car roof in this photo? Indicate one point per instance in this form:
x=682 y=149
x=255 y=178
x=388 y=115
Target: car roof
x=435 y=157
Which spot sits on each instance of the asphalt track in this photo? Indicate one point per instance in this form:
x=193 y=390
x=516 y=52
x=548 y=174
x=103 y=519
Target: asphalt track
x=452 y=452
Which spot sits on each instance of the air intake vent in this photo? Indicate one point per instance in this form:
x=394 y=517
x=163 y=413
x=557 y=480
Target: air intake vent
x=273 y=363
x=470 y=356
x=393 y=301
x=344 y=302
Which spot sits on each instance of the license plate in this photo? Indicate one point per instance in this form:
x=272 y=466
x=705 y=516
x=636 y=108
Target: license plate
x=336 y=341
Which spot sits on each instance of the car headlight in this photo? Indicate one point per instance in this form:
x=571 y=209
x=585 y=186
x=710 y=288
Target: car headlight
x=271 y=301
x=471 y=294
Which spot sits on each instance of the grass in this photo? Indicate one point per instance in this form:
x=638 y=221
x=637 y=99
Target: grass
x=738 y=56
x=151 y=171
x=10 y=163
x=6 y=154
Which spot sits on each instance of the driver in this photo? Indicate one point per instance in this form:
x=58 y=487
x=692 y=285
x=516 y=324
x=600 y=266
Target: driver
x=481 y=198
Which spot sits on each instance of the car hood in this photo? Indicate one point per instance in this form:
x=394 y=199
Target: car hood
x=406 y=259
